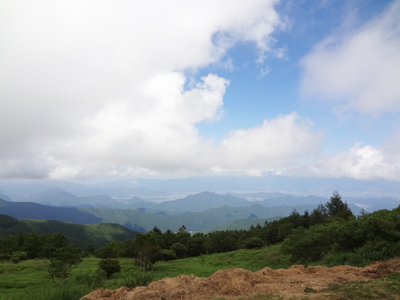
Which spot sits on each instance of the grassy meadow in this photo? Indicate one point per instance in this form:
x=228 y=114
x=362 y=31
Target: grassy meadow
x=204 y=266
x=29 y=279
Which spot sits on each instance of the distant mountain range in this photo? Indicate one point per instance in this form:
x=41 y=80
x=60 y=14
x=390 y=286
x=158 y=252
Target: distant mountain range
x=81 y=235
x=143 y=221
x=194 y=221
x=20 y=190
x=197 y=211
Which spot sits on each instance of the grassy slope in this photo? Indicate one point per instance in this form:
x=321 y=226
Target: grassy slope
x=252 y=260
x=78 y=234
x=29 y=280
x=30 y=277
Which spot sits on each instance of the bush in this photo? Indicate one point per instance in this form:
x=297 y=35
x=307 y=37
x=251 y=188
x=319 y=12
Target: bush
x=253 y=243
x=179 y=249
x=110 y=266
x=311 y=244
x=17 y=256
x=63 y=261
x=168 y=255
x=134 y=278
x=93 y=280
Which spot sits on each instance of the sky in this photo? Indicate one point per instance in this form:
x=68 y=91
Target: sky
x=178 y=88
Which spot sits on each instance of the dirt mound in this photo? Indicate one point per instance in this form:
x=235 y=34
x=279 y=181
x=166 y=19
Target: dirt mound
x=234 y=283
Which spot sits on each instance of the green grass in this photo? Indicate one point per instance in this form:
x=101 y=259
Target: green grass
x=252 y=260
x=29 y=280
x=30 y=277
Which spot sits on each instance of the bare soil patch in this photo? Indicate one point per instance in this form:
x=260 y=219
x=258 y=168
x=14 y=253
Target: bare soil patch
x=235 y=283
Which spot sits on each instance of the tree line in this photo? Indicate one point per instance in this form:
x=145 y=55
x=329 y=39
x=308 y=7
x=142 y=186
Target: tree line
x=155 y=245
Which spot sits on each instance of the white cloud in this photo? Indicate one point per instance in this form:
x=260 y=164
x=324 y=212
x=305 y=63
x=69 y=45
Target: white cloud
x=277 y=146
x=363 y=162
x=97 y=88
x=359 y=70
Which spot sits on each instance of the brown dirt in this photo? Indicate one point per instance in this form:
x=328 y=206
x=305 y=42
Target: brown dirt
x=234 y=283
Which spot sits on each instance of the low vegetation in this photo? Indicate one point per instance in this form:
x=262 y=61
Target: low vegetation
x=31 y=277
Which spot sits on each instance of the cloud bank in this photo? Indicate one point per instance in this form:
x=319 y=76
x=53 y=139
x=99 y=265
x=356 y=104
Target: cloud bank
x=99 y=88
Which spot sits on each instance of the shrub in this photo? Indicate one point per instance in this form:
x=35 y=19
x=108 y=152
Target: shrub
x=179 y=249
x=17 y=256
x=168 y=255
x=63 y=261
x=110 y=266
x=252 y=243
x=93 y=280
x=134 y=278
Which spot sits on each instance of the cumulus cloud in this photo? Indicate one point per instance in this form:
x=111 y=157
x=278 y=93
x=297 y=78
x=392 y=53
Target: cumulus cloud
x=276 y=146
x=98 y=88
x=363 y=162
x=358 y=71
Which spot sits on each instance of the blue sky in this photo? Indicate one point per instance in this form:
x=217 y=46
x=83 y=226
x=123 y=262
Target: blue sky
x=250 y=99
x=187 y=88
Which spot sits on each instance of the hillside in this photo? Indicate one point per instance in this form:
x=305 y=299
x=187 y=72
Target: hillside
x=81 y=235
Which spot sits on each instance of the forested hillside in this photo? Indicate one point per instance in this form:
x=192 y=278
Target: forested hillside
x=330 y=233
x=80 y=235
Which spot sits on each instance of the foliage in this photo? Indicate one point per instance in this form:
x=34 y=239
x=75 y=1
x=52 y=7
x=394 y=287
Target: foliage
x=17 y=256
x=134 y=278
x=63 y=261
x=93 y=279
x=7 y=221
x=90 y=249
x=337 y=208
x=168 y=255
x=252 y=243
x=111 y=250
x=179 y=249
x=110 y=266
x=347 y=240
x=81 y=235
x=147 y=249
x=196 y=245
